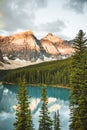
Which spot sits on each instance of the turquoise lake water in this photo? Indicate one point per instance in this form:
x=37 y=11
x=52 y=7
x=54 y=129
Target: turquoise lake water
x=58 y=99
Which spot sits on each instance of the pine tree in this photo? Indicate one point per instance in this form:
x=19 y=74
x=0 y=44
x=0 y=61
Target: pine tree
x=77 y=82
x=83 y=97
x=80 y=42
x=45 y=122
x=23 y=112
x=56 y=121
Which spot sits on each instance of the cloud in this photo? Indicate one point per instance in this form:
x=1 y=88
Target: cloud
x=53 y=27
x=77 y=5
x=1 y=25
x=19 y=14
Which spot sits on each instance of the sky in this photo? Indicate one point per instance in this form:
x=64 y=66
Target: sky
x=63 y=18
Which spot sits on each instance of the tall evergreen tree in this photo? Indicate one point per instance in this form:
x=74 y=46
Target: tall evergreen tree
x=45 y=122
x=23 y=112
x=78 y=84
x=83 y=96
x=56 y=121
x=80 y=42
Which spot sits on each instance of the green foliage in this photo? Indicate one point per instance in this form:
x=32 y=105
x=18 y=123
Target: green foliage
x=23 y=112
x=45 y=122
x=56 y=121
x=80 y=42
x=54 y=72
x=78 y=83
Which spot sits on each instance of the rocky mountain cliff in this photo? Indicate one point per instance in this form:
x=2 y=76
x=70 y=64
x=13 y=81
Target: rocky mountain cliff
x=56 y=46
x=26 y=46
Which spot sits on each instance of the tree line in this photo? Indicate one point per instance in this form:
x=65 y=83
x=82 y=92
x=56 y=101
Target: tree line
x=54 y=72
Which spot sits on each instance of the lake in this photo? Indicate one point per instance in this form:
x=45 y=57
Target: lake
x=58 y=99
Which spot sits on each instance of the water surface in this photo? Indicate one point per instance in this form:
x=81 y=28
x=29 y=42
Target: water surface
x=58 y=99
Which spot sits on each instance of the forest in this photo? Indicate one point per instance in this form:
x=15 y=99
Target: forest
x=53 y=72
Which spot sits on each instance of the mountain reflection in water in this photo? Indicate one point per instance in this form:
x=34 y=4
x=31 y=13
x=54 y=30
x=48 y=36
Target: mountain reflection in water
x=57 y=100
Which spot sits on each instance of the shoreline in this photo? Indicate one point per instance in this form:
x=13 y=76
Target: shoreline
x=51 y=85
x=48 y=85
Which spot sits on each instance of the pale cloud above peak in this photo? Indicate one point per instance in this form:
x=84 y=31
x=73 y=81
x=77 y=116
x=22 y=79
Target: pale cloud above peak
x=43 y=16
x=77 y=5
x=20 y=14
x=53 y=26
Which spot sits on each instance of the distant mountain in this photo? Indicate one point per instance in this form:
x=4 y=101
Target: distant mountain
x=25 y=46
x=55 y=45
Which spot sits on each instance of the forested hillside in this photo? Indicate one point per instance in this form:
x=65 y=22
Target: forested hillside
x=54 y=72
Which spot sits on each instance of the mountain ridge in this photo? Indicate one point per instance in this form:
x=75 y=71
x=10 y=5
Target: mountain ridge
x=26 y=46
